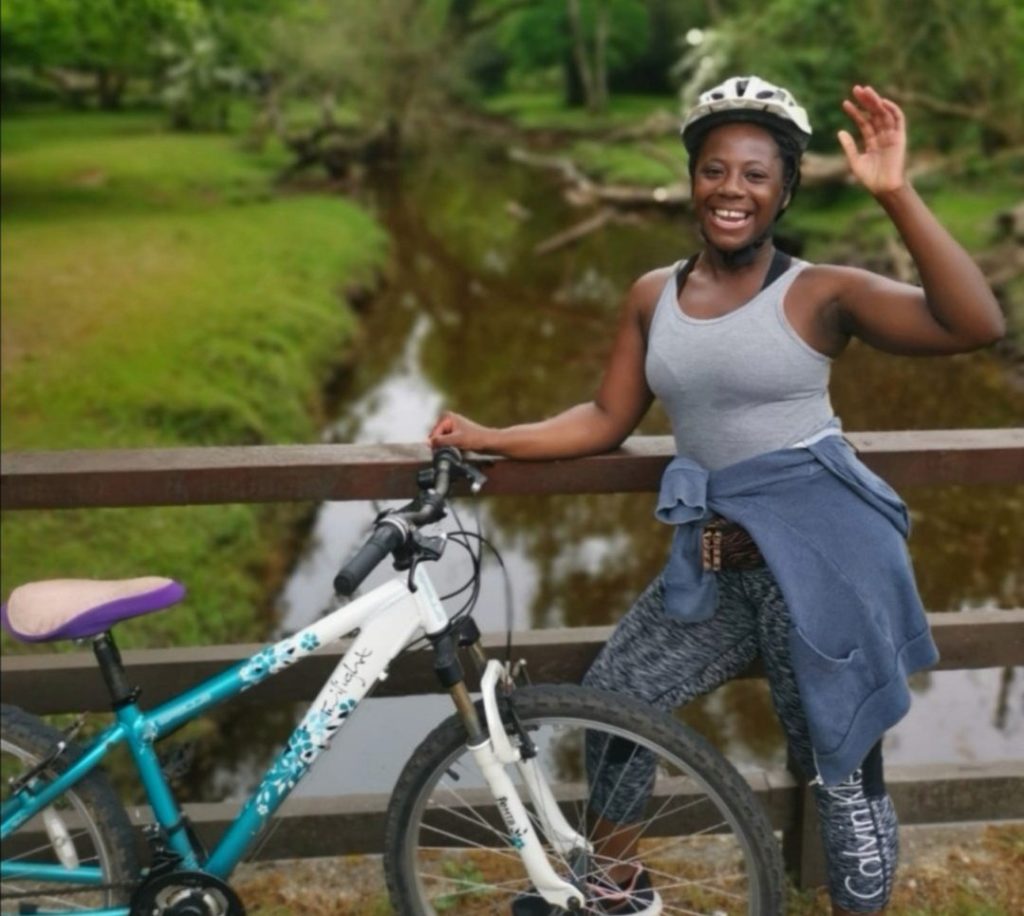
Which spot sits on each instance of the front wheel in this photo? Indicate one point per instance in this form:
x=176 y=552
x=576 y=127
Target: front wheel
x=653 y=799
x=85 y=838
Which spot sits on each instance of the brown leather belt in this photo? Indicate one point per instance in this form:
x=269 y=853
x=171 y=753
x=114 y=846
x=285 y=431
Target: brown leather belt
x=726 y=545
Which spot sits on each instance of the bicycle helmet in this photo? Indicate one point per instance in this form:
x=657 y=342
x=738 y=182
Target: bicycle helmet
x=745 y=98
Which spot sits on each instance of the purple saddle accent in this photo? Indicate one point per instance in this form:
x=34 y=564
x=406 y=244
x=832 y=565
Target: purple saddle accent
x=78 y=608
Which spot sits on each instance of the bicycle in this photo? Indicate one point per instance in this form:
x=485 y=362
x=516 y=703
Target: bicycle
x=493 y=812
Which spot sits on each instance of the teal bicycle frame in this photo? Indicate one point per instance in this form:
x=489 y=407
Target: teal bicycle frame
x=388 y=618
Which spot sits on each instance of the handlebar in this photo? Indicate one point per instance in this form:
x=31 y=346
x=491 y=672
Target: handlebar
x=393 y=529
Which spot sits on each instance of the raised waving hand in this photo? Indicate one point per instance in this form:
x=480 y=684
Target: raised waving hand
x=879 y=161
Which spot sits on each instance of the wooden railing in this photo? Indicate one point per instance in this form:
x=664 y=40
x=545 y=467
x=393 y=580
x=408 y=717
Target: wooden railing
x=349 y=824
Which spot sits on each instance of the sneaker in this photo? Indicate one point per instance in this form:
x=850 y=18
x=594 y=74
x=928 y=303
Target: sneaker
x=634 y=898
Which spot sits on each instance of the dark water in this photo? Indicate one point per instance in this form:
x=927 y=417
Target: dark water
x=473 y=319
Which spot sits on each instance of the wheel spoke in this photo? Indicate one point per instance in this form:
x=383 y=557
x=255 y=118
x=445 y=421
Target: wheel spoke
x=701 y=838
x=92 y=830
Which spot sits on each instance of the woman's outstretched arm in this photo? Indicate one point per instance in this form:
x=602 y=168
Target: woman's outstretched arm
x=596 y=426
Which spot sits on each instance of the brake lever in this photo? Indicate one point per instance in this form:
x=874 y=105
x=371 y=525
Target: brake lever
x=421 y=547
x=457 y=466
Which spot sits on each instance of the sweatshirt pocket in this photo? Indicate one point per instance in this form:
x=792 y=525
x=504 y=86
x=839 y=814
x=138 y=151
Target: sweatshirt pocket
x=832 y=690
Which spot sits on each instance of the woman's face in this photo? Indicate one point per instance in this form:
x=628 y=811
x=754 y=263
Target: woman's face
x=738 y=185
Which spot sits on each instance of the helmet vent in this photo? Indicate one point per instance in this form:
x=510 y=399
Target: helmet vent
x=746 y=98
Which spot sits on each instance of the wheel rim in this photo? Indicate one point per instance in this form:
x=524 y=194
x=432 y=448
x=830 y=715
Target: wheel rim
x=82 y=831
x=698 y=857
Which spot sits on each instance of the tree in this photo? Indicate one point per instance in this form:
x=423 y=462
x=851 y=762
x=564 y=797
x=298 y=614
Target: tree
x=591 y=68
x=198 y=81
x=958 y=68
x=110 y=41
x=588 y=39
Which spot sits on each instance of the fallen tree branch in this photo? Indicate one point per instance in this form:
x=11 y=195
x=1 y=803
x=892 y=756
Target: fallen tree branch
x=655 y=126
x=576 y=232
x=940 y=106
x=562 y=165
x=632 y=197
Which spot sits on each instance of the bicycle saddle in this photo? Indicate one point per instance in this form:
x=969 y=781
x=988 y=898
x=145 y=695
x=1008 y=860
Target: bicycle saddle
x=76 y=608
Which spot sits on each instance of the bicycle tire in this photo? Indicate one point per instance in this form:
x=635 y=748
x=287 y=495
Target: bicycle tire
x=729 y=864
x=90 y=811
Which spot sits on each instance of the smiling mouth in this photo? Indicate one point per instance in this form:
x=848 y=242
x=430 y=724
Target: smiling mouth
x=729 y=219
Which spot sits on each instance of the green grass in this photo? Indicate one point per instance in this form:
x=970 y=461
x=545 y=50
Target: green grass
x=548 y=110
x=966 y=208
x=651 y=163
x=157 y=292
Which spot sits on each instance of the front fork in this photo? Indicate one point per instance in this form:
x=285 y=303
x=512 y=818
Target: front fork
x=493 y=753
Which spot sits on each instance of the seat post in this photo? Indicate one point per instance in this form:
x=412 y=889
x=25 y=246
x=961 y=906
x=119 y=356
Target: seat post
x=109 y=658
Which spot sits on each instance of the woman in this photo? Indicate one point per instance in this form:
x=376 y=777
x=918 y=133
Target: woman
x=771 y=556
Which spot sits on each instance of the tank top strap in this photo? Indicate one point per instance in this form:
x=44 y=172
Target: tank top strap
x=781 y=262
x=668 y=300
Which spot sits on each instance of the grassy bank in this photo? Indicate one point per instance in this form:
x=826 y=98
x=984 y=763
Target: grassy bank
x=157 y=292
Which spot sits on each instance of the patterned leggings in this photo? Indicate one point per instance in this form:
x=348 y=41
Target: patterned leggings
x=669 y=662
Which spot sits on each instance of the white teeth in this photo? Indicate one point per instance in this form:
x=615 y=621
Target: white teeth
x=730 y=214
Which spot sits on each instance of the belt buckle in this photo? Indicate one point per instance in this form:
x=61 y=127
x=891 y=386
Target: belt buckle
x=711 y=548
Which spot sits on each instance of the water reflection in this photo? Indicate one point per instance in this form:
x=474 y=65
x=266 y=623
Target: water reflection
x=473 y=319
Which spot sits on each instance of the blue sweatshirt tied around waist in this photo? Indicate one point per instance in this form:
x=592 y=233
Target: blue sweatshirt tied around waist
x=834 y=536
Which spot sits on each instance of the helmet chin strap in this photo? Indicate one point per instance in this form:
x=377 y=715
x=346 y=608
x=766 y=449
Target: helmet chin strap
x=739 y=257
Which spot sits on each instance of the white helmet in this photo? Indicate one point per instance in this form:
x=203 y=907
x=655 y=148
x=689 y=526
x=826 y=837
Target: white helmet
x=746 y=98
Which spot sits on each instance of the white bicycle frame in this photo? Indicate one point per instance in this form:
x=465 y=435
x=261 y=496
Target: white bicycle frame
x=389 y=618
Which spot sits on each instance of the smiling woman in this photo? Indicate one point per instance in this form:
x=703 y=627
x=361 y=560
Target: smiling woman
x=786 y=546
x=762 y=134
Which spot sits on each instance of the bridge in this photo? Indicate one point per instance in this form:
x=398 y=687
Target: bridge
x=69 y=682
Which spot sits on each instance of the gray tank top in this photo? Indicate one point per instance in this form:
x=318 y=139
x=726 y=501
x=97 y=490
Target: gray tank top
x=737 y=385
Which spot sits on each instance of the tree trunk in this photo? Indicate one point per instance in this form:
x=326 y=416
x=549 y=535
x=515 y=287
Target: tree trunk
x=575 y=97
x=601 y=57
x=579 y=52
x=327 y=105
x=110 y=88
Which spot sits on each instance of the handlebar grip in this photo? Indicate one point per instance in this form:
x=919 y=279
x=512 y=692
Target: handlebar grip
x=384 y=539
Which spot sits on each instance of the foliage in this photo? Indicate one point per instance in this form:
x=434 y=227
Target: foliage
x=539 y=37
x=109 y=40
x=388 y=62
x=957 y=68
x=157 y=294
x=198 y=83
x=950 y=65
x=546 y=109
x=193 y=53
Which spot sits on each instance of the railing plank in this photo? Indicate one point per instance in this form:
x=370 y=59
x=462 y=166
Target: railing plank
x=257 y=474
x=353 y=824
x=70 y=682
